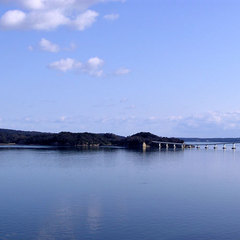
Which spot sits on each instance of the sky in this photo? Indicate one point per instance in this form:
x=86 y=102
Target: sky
x=170 y=67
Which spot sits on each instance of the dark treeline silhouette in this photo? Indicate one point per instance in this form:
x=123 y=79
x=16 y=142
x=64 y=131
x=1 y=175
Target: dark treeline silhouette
x=136 y=140
x=79 y=139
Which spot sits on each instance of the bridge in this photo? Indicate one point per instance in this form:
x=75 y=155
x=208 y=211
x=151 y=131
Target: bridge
x=215 y=145
x=174 y=145
x=169 y=144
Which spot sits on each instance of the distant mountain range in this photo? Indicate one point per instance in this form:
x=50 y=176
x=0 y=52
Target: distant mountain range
x=85 y=139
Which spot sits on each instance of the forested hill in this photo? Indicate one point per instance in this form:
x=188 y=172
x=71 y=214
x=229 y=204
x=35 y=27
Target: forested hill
x=79 y=139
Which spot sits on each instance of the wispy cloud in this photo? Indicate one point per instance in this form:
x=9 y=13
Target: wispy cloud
x=48 y=46
x=212 y=123
x=122 y=71
x=71 y=47
x=30 y=48
x=111 y=17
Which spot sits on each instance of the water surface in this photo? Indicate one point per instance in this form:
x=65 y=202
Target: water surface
x=116 y=194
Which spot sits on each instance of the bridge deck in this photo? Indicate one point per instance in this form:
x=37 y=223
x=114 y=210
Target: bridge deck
x=173 y=143
x=220 y=143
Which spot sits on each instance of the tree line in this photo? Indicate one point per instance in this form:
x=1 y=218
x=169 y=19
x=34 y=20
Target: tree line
x=79 y=139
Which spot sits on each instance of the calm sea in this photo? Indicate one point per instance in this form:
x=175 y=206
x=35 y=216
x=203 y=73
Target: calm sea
x=117 y=194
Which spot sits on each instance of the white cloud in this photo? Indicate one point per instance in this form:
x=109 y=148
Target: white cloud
x=56 y=4
x=64 y=65
x=48 y=46
x=92 y=67
x=50 y=14
x=13 y=19
x=33 y=4
x=122 y=71
x=36 y=20
x=94 y=63
x=111 y=17
x=85 y=20
x=46 y=20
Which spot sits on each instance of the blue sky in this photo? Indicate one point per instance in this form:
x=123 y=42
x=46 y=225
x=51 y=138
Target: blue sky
x=171 y=67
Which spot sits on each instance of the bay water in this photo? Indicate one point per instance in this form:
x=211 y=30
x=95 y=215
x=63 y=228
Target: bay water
x=119 y=194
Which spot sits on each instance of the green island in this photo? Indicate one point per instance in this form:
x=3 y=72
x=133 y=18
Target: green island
x=68 y=139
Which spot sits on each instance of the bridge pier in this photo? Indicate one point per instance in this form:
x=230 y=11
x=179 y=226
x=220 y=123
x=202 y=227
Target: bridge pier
x=215 y=146
x=206 y=147
x=167 y=145
x=234 y=146
x=144 y=146
x=224 y=147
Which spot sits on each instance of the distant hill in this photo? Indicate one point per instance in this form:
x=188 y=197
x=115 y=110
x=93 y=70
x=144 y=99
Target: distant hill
x=136 y=140
x=8 y=136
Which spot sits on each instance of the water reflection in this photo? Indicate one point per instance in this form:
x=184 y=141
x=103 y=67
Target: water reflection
x=118 y=194
x=94 y=215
